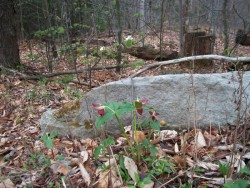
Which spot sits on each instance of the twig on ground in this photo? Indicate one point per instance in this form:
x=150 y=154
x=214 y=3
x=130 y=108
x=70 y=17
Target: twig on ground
x=37 y=77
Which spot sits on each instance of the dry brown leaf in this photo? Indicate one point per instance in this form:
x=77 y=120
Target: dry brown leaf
x=176 y=148
x=131 y=167
x=2 y=87
x=89 y=143
x=84 y=156
x=160 y=152
x=200 y=141
x=121 y=141
x=207 y=165
x=104 y=177
x=61 y=167
x=84 y=173
x=167 y=134
x=211 y=139
x=214 y=181
x=111 y=162
x=139 y=136
x=7 y=183
x=236 y=160
x=179 y=161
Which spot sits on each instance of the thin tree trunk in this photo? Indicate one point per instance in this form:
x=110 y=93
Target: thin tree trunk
x=119 y=34
x=142 y=20
x=161 y=27
x=181 y=35
x=225 y=24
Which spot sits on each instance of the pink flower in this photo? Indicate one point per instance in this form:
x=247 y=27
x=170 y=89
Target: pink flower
x=138 y=105
x=153 y=115
x=100 y=108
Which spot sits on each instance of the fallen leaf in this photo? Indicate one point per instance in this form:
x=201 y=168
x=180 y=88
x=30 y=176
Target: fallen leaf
x=211 y=139
x=89 y=143
x=176 y=148
x=131 y=167
x=84 y=173
x=236 y=160
x=207 y=165
x=2 y=87
x=167 y=134
x=110 y=162
x=200 y=141
x=139 y=136
x=179 y=161
x=121 y=141
x=214 y=181
x=7 y=183
x=104 y=177
x=61 y=167
x=84 y=155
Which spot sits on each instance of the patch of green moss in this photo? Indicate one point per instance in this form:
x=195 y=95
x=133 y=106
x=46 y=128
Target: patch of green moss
x=88 y=124
x=67 y=109
x=74 y=124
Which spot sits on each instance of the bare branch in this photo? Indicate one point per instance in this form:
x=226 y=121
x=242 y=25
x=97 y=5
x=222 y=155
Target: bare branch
x=192 y=58
x=37 y=77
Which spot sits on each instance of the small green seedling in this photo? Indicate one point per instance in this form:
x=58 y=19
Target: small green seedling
x=48 y=139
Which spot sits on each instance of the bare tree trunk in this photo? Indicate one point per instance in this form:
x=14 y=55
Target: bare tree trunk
x=225 y=24
x=50 y=43
x=9 y=52
x=181 y=35
x=142 y=19
x=183 y=22
x=161 y=27
x=119 y=34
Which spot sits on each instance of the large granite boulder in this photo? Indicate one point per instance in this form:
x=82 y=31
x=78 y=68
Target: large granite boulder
x=182 y=100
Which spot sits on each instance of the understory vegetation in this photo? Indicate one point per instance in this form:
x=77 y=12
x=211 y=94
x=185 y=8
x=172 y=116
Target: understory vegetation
x=146 y=154
x=68 y=48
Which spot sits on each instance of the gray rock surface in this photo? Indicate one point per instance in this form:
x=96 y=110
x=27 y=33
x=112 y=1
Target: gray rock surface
x=49 y=122
x=183 y=100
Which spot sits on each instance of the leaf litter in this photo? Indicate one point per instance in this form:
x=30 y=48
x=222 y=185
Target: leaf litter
x=24 y=159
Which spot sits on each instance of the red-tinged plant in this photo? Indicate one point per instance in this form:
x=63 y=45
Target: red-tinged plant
x=101 y=109
x=139 y=105
x=116 y=110
x=153 y=115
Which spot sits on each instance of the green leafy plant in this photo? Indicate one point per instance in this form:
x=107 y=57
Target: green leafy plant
x=141 y=183
x=240 y=183
x=116 y=110
x=126 y=177
x=137 y=64
x=123 y=171
x=48 y=139
x=33 y=57
x=50 y=32
x=103 y=146
x=159 y=166
x=31 y=94
x=186 y=185
x=224 y=168
x=138 y=150
x=37 y=161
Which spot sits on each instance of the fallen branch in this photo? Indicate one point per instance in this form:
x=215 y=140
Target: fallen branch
x=11 y=70
x=192 y=58
x=49 y=75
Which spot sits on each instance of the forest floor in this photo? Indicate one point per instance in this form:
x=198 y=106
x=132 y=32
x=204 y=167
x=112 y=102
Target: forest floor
x=26 y=160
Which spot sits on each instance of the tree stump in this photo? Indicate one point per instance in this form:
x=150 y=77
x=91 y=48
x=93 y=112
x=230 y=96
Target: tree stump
x=242 y=38
x=198 y=43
